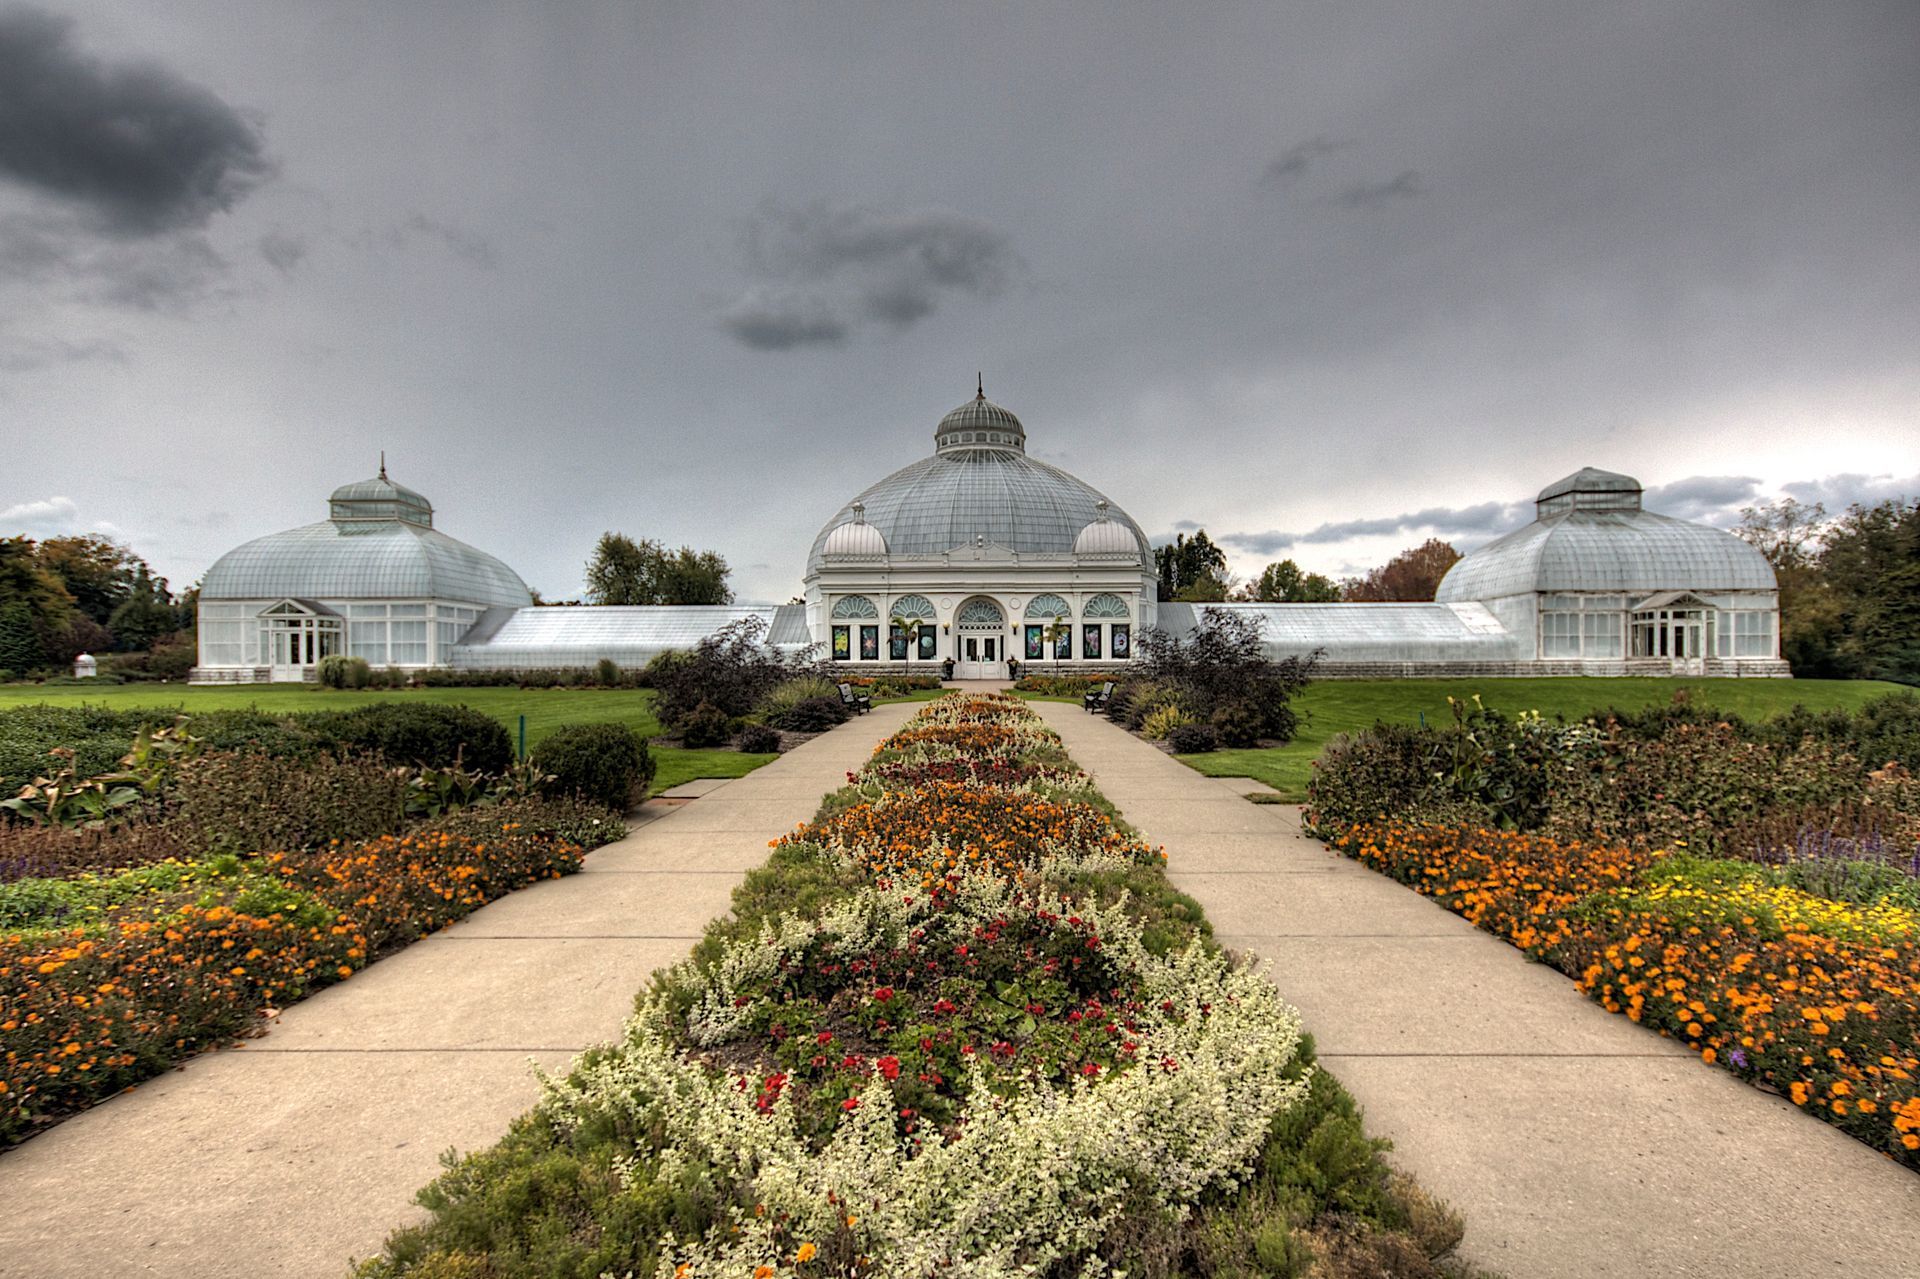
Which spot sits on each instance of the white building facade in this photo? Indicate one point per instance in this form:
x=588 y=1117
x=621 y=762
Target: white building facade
x=979 y=560
x=374 y=579
x=982 y=556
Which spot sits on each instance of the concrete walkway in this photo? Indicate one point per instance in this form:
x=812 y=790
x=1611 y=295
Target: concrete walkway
x=1574 y=1142
x=299 y=1150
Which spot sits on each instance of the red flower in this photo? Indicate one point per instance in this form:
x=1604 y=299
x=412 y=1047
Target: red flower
x=824 y=1037
x=851 y=1103
x=883 y=993
x=889 y=1068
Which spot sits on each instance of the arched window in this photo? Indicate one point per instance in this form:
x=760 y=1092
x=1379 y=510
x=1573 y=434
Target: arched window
x=1105 y=605
x=912 y=606
x=854 y=606
x=980 y=613
x=1048 y=607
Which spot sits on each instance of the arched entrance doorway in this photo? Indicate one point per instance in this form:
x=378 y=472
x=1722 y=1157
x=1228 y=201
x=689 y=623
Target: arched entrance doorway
x=980 y=640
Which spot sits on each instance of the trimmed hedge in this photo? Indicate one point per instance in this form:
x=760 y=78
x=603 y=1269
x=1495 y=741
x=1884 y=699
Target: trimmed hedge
x=421 y=733
x=607 y=764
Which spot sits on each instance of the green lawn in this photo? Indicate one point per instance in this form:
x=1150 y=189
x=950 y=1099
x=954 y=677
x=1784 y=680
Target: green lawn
x=1333 y=707
x=545 y=708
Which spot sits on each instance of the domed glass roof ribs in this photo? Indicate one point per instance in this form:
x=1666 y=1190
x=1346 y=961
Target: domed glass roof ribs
x=1591 y=535
x=378 y=542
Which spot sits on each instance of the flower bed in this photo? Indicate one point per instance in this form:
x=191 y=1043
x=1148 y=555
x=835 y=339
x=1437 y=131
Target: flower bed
x=195 y=958
x=951 y=1027
x=1814 y=998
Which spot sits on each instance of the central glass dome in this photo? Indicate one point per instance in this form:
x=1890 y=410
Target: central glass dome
x=979 y=487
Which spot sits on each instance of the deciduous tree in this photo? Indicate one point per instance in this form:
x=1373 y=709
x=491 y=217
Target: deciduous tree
x=1410 y=576
x=1286 y=583
x=626 y=571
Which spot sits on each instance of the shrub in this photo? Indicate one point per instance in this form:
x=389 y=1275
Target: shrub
x=423 y=734
x=606 y=673
x=789 y=693
x=814 y=714
x=758 y=739
x=1143 y=700
x=1241 y=723
x=707 y=726
x=224 y=802
x=1225 y=662
x=732 y=670
x=1163 y=720
x=337 y=670
x=98 y=738
x=606 y=764
x=1193 y=739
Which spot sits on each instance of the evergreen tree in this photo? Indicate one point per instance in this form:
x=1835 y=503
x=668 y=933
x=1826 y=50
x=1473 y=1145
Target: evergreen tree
x=145 y=615
x=20 y=648
x=1185 y=561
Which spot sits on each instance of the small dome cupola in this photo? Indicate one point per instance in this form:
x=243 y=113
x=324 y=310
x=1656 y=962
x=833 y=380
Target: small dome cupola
x=856 y=537
x=1588 y=489
x=379 y=500
x=980 y=424
x=1105 y=536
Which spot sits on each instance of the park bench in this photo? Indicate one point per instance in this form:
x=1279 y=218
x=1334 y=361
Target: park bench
x=1096 y=699
x=858 y=701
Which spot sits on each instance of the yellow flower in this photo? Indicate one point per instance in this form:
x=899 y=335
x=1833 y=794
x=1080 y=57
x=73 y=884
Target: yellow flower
x=807 y=1253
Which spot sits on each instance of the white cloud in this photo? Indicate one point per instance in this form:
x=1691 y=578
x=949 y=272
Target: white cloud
x=50 y=517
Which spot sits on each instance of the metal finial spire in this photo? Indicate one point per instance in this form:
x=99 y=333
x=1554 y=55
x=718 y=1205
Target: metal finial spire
x=980 y=382
x=383 y=464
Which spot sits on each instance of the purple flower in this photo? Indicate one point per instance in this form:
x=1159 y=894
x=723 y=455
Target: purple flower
x=1737 y=1059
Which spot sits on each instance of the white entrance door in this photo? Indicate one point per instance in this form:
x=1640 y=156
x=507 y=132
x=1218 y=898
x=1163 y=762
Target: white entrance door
x=980 y=641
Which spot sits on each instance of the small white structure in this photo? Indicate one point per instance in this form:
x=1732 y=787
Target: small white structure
x=84 y=667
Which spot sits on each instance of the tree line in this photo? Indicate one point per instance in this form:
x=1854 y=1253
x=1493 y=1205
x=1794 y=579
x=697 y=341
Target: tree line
x=1849 y=586
x=64 y=596
x=1194 y=570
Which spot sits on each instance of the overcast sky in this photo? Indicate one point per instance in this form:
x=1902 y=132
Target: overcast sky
x=1324 y=279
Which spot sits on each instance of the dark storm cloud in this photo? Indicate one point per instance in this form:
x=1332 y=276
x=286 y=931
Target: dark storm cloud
x=1297 y=159
x=1406 y=185
x=1706 y=499
x=137 y=146
x=22 y=353
x=1483 y=521
x=283 y=250
x=782 y=322
x=56 y=254
x=1838 y=492
x=832 y=268
x=469 y=246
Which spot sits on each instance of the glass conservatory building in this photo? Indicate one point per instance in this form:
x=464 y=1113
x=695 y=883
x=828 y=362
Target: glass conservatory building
x=984 y=557
x=374 y=579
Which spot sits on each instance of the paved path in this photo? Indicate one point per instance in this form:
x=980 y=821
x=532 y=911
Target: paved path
x=1574 y=1142
x=303 y=1148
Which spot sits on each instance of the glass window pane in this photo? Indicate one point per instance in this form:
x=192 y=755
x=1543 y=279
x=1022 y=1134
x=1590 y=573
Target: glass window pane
x=1090 y=641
